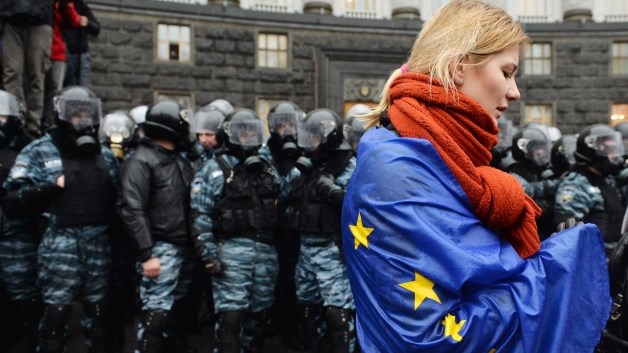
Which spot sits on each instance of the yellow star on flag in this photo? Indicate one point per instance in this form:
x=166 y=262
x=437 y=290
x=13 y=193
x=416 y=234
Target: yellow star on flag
x=360 y=233
x=422 y=288
x=452 y=328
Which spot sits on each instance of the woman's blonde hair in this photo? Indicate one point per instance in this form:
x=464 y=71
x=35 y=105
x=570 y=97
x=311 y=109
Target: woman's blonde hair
x=469 y=30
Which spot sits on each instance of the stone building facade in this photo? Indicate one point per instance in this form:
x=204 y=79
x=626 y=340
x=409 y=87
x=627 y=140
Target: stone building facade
x=331 y=61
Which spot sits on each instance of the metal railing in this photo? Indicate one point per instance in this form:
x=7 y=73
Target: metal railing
x=533 y=19
x=270 y=8
x=361 y=14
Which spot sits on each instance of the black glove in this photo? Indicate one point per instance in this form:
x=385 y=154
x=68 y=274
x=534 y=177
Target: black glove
x=325 y=186
x=213 y=267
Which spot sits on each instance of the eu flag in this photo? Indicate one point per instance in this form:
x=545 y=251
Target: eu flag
x=428 y=276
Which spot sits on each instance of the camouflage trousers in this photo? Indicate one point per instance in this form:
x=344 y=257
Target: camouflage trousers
x=321 y=277
x=73 y=264
x=18 y=265
x=173 y=282
x=247 y=283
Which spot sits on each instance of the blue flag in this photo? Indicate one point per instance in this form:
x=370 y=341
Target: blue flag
x=428 y=276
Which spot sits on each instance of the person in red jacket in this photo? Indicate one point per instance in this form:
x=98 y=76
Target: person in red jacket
x=65 y=16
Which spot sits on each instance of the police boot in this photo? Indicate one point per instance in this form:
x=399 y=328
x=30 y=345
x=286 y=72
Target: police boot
x=340 y=330
x=255 y=329
x=154 y=324
x=53 y=329
x=30 y=311
x=310 y=325
x=99 y=333
x=228 y=331
x=177 y=340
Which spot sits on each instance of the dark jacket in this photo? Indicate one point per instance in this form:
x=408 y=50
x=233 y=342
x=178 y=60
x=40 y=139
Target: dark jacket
x=156 y=197
x=27 y=12
x=76 y=39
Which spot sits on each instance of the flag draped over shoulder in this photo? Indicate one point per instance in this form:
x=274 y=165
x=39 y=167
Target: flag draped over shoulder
x=428 y=276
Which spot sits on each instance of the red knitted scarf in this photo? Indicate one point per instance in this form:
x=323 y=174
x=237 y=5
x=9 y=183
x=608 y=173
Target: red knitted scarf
x=463 y=134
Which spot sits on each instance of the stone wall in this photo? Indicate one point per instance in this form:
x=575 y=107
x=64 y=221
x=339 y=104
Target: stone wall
x=327 y=55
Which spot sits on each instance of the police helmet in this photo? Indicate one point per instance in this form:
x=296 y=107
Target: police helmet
x=207 y=121
x=623 y=130
x=139 y=114
x=117 y=127
x=531 y=145
x=221 y=105
x=322 y=130
x=562 y=156
x=11 y=118
x=354 y=126
x=166 y=120
x=77 y=108
x=599 y=142
x=243 y=128
x=284 y=119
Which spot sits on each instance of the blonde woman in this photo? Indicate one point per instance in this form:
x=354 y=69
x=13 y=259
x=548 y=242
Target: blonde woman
x=442 y=250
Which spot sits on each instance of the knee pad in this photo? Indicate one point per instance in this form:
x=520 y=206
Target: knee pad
x=53 y=328
x=337 y=317
x=228 y=335
x=155 y=321
x=100 y=331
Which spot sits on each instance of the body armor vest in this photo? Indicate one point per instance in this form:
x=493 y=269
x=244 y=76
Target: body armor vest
x=309 y=212
x=248 y=203
x=88 y=197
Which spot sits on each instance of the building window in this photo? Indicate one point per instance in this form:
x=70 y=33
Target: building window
x=538 y=113
x=184 y=99
x=619 y=59
x=360 y=8
x=272 y=50
x=619 y=113
x=538 y=59
x=173 y=43
x=271 y=5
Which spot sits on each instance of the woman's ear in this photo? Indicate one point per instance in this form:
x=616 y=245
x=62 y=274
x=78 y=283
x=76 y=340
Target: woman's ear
x=457 y=70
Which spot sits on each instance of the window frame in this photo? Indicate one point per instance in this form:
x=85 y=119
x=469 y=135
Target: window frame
x=168 y=42
x=619 y=59
x=551 y=108
x=259 y=51
x=529 y=60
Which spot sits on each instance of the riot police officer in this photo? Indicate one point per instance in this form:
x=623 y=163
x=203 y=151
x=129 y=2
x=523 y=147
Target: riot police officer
x=118 y=132
x=282 y=150
x=234 y=198
x=354 y=127
x=18 y=244
x=314 y=209
x=562 y=157
x=205 y=127
x=531 y=151
x=588 y=192
x=71 y=177
x=155 y=211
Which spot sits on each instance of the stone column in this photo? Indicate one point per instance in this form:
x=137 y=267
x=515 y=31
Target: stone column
x=321 y=7
x=235 y=3
x=577 y=10
x=407 y=9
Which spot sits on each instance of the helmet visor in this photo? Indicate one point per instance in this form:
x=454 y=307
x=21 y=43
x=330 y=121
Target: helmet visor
x=312 y=135
x=537 y=151
x=246 y=133
x=209 y=121
x=284 y=124
x=80 y=113
x=610 y=145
